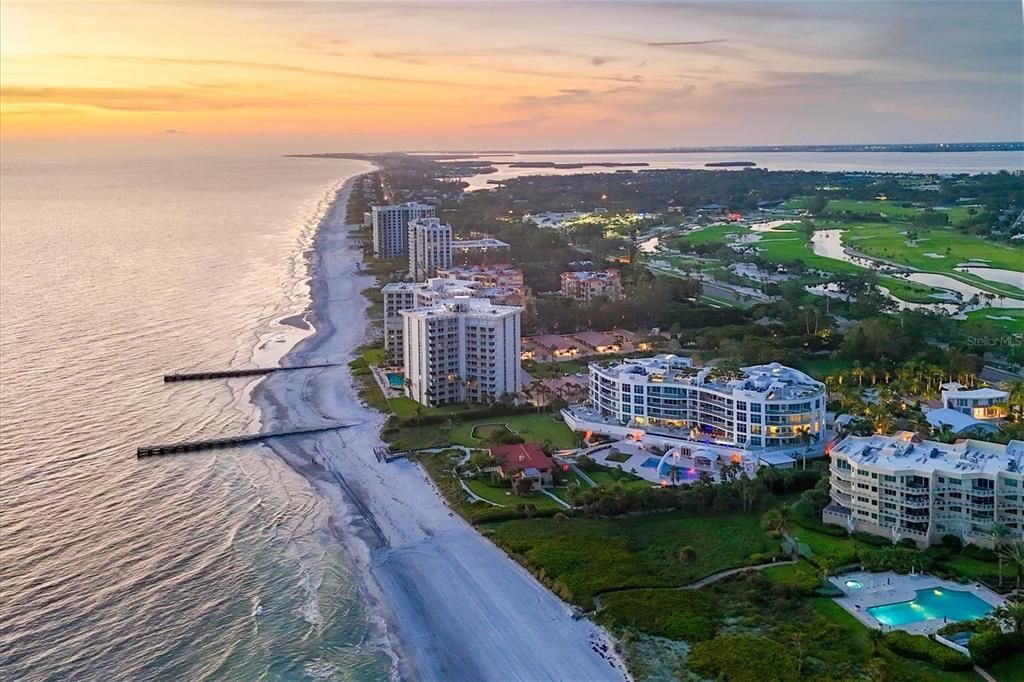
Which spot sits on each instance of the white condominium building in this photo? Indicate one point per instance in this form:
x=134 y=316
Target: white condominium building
x=430 y=248
x=980 y=403
x=904 y=487
x=766 y=414
x=461 y=349
x=399 y=296
x=391 y=225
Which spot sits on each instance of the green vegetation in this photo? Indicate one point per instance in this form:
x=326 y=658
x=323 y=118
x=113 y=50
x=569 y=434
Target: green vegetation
x=909 y=245
x=451 y=427
x=1009 y=669
x=581 y=557
x=532 y=428
x=503 y=496
x=998 y=317
x=552 y=370
x=611 y=477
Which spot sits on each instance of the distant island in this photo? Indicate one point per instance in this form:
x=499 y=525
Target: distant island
x=729 y=164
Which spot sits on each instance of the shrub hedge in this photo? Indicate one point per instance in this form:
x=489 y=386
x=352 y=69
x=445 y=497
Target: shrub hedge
x=924 y=649
x=993 y=646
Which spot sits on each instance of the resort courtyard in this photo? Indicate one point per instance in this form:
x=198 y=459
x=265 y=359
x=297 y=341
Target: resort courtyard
x=916 y=603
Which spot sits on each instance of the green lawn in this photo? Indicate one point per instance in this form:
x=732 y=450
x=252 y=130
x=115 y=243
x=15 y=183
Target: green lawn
x=1009 y=669
x=501 y=495
x=407 y=407
x=821 y=544
x=551 y=370
x=947 y=246
x=912 y=292
x=1014 y=325
x=893 y=211
x=610 y=477
x=582 y=557
x=713 y=234
x=534 y=428
x=785 y=246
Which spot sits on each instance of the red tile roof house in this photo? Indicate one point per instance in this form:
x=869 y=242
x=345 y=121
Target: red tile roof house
x=526 y=460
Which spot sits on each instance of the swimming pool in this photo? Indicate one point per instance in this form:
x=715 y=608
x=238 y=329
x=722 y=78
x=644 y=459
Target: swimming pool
x=651 y=462
x=396 y=380
x=932 y=603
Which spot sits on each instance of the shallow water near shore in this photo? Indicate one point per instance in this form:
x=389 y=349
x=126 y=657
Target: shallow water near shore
x=115 y=272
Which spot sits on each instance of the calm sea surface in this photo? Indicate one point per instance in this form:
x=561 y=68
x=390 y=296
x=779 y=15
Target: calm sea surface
x=114 y=272
x=886 y=162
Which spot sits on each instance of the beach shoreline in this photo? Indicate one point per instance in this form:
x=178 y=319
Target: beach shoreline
x=449 y=604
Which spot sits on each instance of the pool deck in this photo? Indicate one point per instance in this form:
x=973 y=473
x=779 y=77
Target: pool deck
x=890 y=587
x=638 y=452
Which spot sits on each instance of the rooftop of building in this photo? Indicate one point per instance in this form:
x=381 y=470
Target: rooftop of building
x=407 y=204
x=777 y=380
x=957 y=421
x=435 y=284
x=486 y=243
x=905 y=450
x=430 y=222
x=981 y=393
x=479 y=307
x=522 y=456
x=591 y=274
x=457 y=270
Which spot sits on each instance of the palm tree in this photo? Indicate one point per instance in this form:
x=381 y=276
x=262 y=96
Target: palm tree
x=1013 y=552
x=673 y=474
x=1012 y=611
x=998 y=533
x=777 y=522
x=1016 y=398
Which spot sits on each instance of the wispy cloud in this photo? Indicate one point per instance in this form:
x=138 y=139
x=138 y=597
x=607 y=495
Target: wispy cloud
x=266 y=66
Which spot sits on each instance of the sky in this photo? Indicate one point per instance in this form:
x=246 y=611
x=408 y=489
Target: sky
x=309 y=76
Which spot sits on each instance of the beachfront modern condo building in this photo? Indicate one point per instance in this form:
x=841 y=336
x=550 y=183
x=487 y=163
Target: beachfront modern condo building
x=901 y=486
x=430 y=248
x=586 y=285
x=399 y=296
x=391 y=227
x=979 y=403
x=461 y=350
x=759 y=415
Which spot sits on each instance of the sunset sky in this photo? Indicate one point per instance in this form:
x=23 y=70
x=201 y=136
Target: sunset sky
x=314 y=76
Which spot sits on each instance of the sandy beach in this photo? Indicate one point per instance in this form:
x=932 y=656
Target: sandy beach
x=452 y=606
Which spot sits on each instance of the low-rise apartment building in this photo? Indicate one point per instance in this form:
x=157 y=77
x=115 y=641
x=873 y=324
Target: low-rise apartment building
x=901 y=486
x=461 y=350
x=585 y=285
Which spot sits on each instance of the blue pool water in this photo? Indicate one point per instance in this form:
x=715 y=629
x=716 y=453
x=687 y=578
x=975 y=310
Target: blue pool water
x=932 y=603
x=396 y=380
x=651 y=462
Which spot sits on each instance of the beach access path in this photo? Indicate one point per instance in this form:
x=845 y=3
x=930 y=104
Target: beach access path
x=454 y=606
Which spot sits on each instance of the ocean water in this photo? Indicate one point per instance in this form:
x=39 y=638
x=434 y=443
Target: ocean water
x=883 y=162
x=113 y=272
